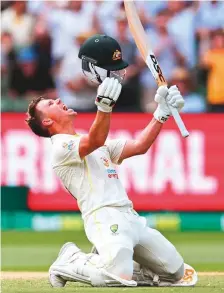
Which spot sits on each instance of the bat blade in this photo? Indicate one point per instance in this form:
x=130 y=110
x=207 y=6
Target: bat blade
x=136 y=28
x=142 y=42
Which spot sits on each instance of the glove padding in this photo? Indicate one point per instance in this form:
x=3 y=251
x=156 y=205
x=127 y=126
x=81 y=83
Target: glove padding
x=175 y=99
x=107 y=94
x=167 y=98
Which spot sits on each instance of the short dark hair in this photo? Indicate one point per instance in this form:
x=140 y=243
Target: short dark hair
x=34 y=119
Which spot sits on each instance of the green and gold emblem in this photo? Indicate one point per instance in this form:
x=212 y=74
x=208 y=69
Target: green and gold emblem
x=114 y=228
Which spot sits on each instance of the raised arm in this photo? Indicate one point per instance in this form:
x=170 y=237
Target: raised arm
x=107 y=95
x=143 y=142
x=146 y=138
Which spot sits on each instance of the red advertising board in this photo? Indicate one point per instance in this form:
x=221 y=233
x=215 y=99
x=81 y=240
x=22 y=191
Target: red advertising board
x=176 y=174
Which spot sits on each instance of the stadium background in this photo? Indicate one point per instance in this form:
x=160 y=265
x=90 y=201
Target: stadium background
x=178 y=185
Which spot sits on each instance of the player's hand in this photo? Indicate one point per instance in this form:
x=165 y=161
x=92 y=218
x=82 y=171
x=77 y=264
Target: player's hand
x=162 y=112
x=167 y=98
x=107 y=94
x=174 y=98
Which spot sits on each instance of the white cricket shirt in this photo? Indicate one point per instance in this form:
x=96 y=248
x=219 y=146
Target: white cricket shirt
x=93 y=181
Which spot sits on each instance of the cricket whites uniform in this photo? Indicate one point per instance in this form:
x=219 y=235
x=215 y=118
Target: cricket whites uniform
x=112 y=226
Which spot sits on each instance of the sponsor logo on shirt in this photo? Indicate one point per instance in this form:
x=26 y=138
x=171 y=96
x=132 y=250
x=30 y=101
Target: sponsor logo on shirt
x=105 y=161
x=111 y=172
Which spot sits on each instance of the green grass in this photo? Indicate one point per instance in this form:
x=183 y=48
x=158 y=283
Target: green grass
x=35 y=251
x=205 y=285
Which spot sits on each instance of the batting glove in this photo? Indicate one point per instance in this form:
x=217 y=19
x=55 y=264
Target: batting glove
x=174 y=98
x=107 y=94
x=162 y=112
x=167 y=98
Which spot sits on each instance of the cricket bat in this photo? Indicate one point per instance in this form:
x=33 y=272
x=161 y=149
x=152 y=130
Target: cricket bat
x=143 y=45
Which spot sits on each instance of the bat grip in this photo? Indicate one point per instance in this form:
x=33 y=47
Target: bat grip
x=179 y=122
x=176 y=115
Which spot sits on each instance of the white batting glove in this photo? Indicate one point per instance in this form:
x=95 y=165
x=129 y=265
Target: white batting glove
x=162 y=112
x=107 y=94
x=174 y=98
x=167 y=98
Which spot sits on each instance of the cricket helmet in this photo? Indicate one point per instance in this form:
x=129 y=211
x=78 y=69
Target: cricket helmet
x=102 y=57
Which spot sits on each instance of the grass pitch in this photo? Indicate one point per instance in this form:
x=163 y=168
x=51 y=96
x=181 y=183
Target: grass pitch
x=35 y=251
x=206 y=284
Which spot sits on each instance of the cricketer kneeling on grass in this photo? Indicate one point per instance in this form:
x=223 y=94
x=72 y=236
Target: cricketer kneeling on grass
x=127 y=252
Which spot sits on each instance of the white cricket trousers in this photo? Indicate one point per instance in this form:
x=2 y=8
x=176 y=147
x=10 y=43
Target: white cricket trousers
x=120 y=236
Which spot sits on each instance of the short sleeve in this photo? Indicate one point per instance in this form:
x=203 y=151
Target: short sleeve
x=66 y=151
x=115 y=148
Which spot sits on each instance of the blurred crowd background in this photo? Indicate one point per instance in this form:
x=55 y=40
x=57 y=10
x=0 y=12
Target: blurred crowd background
x=40 y=42
x=180 y=188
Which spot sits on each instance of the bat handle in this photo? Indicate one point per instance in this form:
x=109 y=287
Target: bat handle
x=179 y=122
x=176 y=115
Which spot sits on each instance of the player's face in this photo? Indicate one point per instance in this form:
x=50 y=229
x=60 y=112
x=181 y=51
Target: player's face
x=55 y=110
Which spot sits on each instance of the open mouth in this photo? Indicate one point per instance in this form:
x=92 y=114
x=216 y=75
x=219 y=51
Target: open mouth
x=66 y=109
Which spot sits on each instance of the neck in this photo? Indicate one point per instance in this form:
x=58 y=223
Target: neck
x=61 y=129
